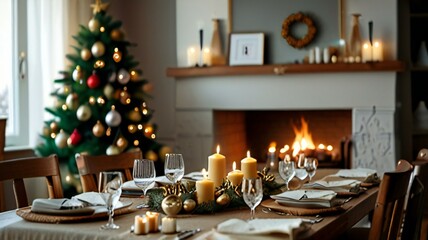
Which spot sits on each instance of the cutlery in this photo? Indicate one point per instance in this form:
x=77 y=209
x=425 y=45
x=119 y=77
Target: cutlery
x=314 y=220
x=186 y=234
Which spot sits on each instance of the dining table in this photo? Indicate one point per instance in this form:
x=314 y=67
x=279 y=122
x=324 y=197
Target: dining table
x=332 y=226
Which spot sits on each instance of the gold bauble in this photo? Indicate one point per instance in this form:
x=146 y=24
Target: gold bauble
x=85 y=54
x=189 y=205
x=223 y=200
x=148 y=130
x=98 y=49
x=171 y=205
x=134 y=75
x=94 y=25
x=72 y=101
x=108 y=91
x=151 y=155
x=98 y=130
x=54 y=127
x=61 y=139
x=122 y=143
x=112 y=150
x=134 y=116
x=117 y=35
x=84 y=113
x=46 y=131
x=132 y=128
x=117 y=55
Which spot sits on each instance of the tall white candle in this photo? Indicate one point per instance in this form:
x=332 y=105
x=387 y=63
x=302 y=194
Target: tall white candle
x=367 y=52
x=377 y=51
x=217 y=167
x=192 y=56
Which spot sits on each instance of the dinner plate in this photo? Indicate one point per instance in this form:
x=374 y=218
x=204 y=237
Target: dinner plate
x=80 y=211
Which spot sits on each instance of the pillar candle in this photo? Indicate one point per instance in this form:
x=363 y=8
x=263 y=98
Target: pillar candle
x=377 y=51
x=205 y=189
x=153 y=221
x=192 y=57
x=206 y=57
x=217 y=167
x=235 y=176
x=249 y=166
x=367 y=52
x=140 y=225
x=169 y=225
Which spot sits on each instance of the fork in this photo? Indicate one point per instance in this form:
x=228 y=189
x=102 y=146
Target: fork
x=314 y=220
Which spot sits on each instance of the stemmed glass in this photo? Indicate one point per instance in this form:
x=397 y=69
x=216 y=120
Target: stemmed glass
x=301 y=172
x=311 y=166
x=174 y=167
x=110 y=187
x=287 y=171
x=144 y=174
x=252 y=191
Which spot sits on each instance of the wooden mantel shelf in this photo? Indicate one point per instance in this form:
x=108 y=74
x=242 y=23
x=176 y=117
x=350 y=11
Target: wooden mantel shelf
x=280 y=69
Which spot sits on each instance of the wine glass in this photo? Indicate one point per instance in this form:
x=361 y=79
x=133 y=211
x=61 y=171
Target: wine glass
x=174 y=167
x=252 y=191
x=301 y=172
x=110 y=187
x=144 y=174
x=311 y=166
x=287 y=171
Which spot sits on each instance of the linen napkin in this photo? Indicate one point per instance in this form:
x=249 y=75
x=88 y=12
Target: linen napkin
x=357 y=173
x=62 y=206
x=259 y=226
x=306 y=198
x=346 y=185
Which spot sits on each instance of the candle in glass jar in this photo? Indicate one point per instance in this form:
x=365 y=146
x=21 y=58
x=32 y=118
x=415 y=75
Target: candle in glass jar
x=205 y=189
x=217 y=167
x=141 y=225
x=249 y=166
x=153 y=221
x=235 y=176
x=169 y=225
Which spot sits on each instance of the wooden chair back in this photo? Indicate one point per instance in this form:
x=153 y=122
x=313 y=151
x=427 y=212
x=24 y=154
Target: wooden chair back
x=19 y=169
x=2 y=145
x=388 y=212
x=90 y=167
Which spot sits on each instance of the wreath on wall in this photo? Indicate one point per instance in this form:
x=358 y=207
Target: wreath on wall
x=288 y=24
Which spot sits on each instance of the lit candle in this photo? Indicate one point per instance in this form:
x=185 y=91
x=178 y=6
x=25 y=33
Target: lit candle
x=205 y=189
x=169 y=225
x=367 y=52
x=272 y=160
x=249 y=166
x=377 y=51
x=235 y=176
x=140 y=225
x=217 y=167
x=153 y=221
x=206 y=57
x=192 y=57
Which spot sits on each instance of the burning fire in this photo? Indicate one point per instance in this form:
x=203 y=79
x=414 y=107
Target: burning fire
x=303 y=139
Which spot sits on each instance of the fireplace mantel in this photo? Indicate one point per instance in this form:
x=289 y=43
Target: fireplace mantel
x=280 y=69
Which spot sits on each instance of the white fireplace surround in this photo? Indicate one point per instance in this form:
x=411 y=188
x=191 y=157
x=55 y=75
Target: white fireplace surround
x=373 y=131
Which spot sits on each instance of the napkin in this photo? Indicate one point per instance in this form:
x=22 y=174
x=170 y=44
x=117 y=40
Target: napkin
x=90 y=198
x=306 y=198
x=357 y=173
x=337 y=186
x=259 y=226
x=61 y=206
x=194 y=176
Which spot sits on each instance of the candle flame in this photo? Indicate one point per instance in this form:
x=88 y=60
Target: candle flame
x=321 y=146
x=284 y=149
x=330 y=148
x=248 y=153
x=376 y=44
x=218 y=149
x=204 y=173
x=234 y=166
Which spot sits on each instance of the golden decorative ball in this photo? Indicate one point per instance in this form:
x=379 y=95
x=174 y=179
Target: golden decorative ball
x=94 y=25
x=171 y=205
x=152 y=155
x=72 y=101
x=132 y=128
x=98 y=49
x=134 y=116
x=108 y=91
x=189 y=205
x=135 y=76
x=61 y=139
x=122 y=143
x=117 y=55
x=98 y=130
x=54 y=127
x=112 y=150
x=223 y=200
x=84 y=113
x=85 y=54
x=117 y=35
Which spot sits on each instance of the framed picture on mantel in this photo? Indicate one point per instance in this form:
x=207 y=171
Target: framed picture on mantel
x=246 y=49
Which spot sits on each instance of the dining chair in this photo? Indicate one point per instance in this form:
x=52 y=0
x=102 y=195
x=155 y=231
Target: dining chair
x=2 y=145
x=19 y=169
x=90 y=167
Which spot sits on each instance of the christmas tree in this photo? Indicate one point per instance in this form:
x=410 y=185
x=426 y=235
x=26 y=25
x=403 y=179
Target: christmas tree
x=100 y=107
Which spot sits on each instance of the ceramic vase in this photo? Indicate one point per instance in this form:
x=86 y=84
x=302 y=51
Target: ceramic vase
x=355 y=42
x=217 y=56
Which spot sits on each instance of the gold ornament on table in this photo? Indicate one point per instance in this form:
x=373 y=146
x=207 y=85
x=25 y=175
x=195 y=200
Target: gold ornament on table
x=98 y=130
x=98 y=49
x=171 y=205
x=265 y=176
x=117 y=55
x=175 y=189
x=189 y=204
x=85 y=54
x=223 y=199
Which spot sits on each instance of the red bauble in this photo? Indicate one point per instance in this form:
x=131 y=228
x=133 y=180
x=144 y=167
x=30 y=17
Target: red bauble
x=93 y=81
x=75 y=138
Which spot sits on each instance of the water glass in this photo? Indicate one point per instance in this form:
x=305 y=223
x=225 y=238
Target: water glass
x=174 y=167
x=252 y=191
x=110 y=187
x=144 y=174
x=311 y=166
x=287 y=171
x=301 y=172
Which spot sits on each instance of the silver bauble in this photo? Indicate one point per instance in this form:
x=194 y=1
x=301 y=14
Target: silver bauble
x=84 y=113
x=98 y=49
x=112 y=150
x=113 y=118
x=94 y=25
x=123 y=76
x=72 y=101
x=61 y=139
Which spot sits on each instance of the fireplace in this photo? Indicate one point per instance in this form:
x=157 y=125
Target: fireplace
x=363 y=101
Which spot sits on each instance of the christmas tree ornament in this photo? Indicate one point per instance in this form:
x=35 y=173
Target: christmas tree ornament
x=113 y=118
x=99 y=64
x=132 y=128
x=136 y=142
x=74 y=138
x=85 y=54
x=108 y=91
x=98 y=130
x=151 y=155
x=108 y=132
x=112 y=150
x=135 y=76
x=77 y=74
x=61 y=139
x=122 y=143
x=189 y=204
x=144 y=109
x=54 y=127
x=124 y=98
x=223 y=199
x=46 y=131
x=93 y=81
x=117 y=55
x=148 y=87
x=84 y=113
x=171 y=205
x=64 y=90
x=117 y=35
x=94 y=25
x=92 y=100
x=101 y=101
x=102 y=29
x=148 y=130
x=58 y=103
x=72 y=101
x=98 y=49
x=123 y=76
x=112 y=77
x=134 y=115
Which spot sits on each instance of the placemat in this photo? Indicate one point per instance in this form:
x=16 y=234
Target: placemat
x=270 y=203
x=26 y=214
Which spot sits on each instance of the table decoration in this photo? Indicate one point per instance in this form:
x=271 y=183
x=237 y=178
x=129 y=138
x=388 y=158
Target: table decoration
x=141 y=225
x=249 y=166
x=235 y=176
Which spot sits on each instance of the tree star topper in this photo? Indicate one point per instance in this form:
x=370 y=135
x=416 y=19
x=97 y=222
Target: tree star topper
x=99 y=6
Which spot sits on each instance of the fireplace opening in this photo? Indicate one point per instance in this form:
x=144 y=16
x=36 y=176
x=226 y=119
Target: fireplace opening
x=257 y=131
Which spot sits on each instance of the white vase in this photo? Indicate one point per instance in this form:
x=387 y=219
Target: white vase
x=422 y=55
x=420 y=116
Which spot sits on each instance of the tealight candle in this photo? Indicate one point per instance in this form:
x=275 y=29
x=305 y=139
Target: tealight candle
x=205 y=189
x=153 y=221
x=249 y=166
x=141 y=225
x=169 y=225
x=217 y=167
x=235 y=176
